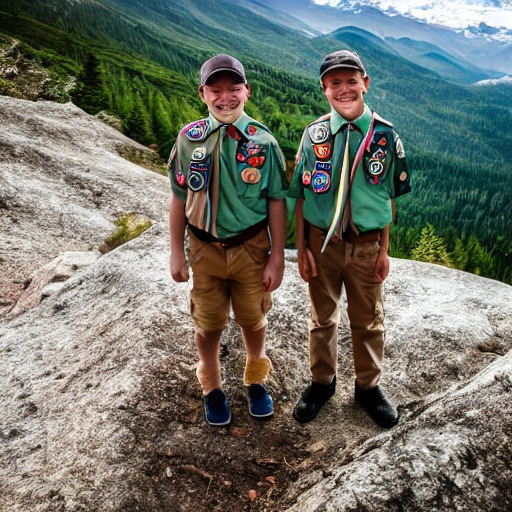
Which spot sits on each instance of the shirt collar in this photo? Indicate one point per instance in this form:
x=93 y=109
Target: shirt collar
x=240 y=123
x=362 y=122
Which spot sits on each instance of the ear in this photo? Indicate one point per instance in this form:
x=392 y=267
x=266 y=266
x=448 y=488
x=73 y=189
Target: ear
x=248 y=87
x=322 y=85
x=201 y=92
x=366 y=80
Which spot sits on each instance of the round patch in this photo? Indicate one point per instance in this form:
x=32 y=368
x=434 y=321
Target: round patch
x=198 y=154
x=322 y=151
x=403 y=176
x=196 y=181
x=321 y=181
x=251 y=175
x=375 y=167
x=306 y=178
x=197 y=131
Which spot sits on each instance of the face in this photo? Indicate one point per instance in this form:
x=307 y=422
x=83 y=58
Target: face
x=225 y=97
x=345 y=90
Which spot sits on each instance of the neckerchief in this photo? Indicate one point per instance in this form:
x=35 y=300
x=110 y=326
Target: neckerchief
x=342 y=210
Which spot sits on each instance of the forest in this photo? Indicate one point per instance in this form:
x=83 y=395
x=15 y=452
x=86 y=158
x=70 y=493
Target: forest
x=142 y=67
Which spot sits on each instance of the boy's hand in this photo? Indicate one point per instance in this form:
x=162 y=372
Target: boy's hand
x=179 y=270
x=273 y=273
x=382 y=266
x=307 y=265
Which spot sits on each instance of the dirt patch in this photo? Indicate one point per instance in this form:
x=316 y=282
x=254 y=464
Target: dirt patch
x=192 y=466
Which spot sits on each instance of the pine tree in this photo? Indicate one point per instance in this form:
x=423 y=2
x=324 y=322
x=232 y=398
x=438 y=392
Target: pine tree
x=431 y=248
x=89 y=94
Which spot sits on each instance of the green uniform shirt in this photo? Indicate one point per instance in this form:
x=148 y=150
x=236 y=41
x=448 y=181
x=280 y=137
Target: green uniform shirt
x=380 y=176
x=252 y=170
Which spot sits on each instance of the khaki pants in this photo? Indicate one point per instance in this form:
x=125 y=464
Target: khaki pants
x=229 y=277
x=353 y=266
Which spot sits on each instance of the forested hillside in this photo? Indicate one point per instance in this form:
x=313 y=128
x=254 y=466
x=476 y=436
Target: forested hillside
x=140 y=63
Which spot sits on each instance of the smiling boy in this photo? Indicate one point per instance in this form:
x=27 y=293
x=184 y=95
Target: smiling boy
x=350 y=168
x=229 y=183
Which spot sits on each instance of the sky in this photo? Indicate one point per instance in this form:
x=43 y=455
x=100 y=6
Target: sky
x=456 y=14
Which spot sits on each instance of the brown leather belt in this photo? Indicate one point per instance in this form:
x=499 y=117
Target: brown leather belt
x=233 y=241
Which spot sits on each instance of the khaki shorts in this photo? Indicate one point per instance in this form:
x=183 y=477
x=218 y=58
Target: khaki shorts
x=229 y=277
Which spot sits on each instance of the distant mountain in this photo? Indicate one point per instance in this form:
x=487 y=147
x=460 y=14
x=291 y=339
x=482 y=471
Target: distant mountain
x=474 y=18
x=140 y=61
x=491 y=56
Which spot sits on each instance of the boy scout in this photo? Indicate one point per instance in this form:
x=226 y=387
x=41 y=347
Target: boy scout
x=229 y=184
x=350 y=167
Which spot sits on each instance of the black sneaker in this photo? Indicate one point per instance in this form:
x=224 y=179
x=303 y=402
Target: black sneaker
x=312 y=400
x=216 y=408
x=377 y=406
x=260 y=402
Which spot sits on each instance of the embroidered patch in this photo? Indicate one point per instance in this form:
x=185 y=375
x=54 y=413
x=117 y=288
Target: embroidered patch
x=321 y=178
x=321 y=181
x=382 y=142
x=251 y=129
x=323 y=166
x=403 y=176
x=253 y=149
x=180 y=178
x=199 y=154
x=256 y=161
x=251 y=175
x=322 y=151
x=306 y=178
x=375 y=167
x=319 y=132
x=197 y=176
x=197 y=131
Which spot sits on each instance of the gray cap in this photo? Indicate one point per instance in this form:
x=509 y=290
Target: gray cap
x=342 y=59
x=221 y=62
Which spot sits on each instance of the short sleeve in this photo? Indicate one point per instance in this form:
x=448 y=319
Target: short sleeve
x=296 y=189
x=277 y=182
x=176 y=175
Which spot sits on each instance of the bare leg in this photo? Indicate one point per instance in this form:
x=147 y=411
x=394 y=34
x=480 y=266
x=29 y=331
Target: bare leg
x=208 y=367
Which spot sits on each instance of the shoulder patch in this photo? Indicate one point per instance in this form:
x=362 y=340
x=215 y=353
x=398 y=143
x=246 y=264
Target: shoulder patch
x=319 y=132
x=196 y=131
x=253 y=126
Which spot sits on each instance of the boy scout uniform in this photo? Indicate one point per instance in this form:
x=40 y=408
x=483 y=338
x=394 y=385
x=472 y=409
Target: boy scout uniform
x=349 y=257
x=225 y=174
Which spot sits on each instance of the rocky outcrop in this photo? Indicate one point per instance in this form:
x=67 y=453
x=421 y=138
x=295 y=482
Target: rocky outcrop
x=101 y=409
x=63 y=187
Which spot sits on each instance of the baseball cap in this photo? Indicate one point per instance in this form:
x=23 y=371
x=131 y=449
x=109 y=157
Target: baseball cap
x=342 y=59
x=221 y=62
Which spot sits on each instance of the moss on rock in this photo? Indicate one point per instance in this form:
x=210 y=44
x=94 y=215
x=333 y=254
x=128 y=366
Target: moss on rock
x=129 y=226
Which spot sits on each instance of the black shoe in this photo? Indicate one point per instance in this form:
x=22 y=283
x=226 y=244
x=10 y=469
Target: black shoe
x=312 y=400
x=377 y=406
